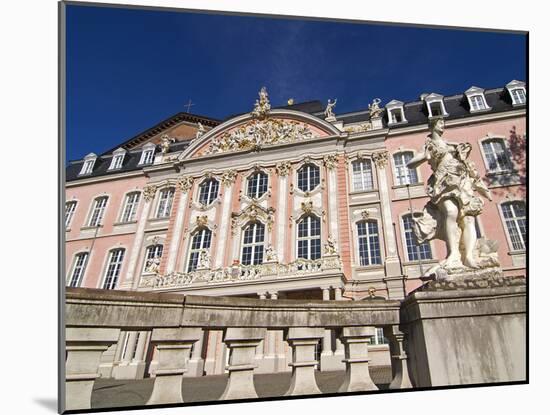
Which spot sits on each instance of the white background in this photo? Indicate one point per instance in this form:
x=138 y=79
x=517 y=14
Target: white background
x=28 y=142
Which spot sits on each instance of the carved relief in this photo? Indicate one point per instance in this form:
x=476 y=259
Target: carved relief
x=307 y=207
x=283 y=168
x=374 y=109
x=380 y=159
x=330 y=246
x=201 y=221
x=185 y=183
x=358 y=128
x=330 y=161
x=252 y=213
x=365 y=215
x=165 y=141
x=228 y=178
x=149 y=192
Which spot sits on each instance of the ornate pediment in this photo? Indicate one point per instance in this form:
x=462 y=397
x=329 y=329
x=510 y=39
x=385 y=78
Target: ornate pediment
x=251 y=213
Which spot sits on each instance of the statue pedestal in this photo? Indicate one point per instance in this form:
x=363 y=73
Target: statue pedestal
x=466 y=332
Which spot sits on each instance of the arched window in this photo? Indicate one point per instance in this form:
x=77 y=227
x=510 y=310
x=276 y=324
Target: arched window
x=166 y=197
x=369 y=243
x=257 y=185
x=201 y=240
x=308 y=177
x=516 y=223
x=309 y=237
x=362 y=175
x=253 y=244
x=153 y=254
x=80 y=261
x=496 y=155
x=114 y=267
x=404 y=175
x=98 y=211
x=130 y=207
x=208 y=191
x=414 y=250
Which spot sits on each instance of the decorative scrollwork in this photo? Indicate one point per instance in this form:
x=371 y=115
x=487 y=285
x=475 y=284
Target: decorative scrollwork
x=149 y=192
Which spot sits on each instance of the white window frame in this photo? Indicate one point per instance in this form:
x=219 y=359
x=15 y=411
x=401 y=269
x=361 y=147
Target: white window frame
x=435 y=99
x=80 y=267
x=309 y=177
x=164 y=204
x=309 y=238
x=147 y=154
x=100 y=211
x=131 y=216
x=513 y=86
x=198 y=250
x=475 y=92
x=211 y=196
x=367 y=237
x=394 y=105
x=505 y=223
x=111 y=282
x=88 y=165
x=254 y=245
x=118 y=159
x=69 y=214
x=151 y=252
x=395 y=169
x=491 y=138
x=256 y=176
x=362 y=171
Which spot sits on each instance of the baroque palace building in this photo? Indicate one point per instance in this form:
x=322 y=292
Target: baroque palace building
x=292 y=202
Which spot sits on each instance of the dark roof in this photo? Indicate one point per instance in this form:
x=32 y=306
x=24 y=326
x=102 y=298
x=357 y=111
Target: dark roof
x=416 y=113
x=163 y=125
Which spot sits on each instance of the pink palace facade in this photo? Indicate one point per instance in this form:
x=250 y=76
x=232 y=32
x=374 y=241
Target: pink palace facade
x=287 y=202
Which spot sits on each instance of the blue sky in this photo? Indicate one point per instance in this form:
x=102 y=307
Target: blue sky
x=130 y=69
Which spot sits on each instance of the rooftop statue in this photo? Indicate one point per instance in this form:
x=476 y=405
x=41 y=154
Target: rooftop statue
x=328 y=111
x=454 y=189
x=374 y=108
x=200 y=130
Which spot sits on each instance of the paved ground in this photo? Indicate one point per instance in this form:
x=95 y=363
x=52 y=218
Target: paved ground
x=112 y=393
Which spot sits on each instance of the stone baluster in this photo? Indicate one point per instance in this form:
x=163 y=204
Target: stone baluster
x=242 y=343
x=356 y=341
x=339 y=349
x=173 y=347
x=84 y=346
x=303 y=341
x=400 y=371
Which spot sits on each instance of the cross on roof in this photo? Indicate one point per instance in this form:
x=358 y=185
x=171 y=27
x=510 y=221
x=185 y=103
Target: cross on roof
x=189 y=105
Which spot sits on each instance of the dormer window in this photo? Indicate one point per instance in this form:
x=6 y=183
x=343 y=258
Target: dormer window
x=118 y=159
x=396 y=115
x=517 y=92
x=88 y=166
x=148 y=154
x=476 y=99
x=435 y=105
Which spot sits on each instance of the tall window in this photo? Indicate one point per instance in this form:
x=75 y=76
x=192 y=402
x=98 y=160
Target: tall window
x=79 y=267
x=308 y=177
x=70 y=208
x=404 y=175
x=130 y=207
x=516 y=223
x=114 y=266
x=98 y=210
x=201 y=240
x=309 y=238
x=253 y=244
x=257 y=185
x=165 y=202
x=208 y=191
x=518 y=96
x=362 y=175
x=495 y=154
x=369 y=243
x=147 y=156
x=413 y=248
x=152 y=254
x=477 y=103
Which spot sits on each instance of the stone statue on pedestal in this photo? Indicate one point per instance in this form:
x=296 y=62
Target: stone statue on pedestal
x=328 y=110
x=454 y=189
